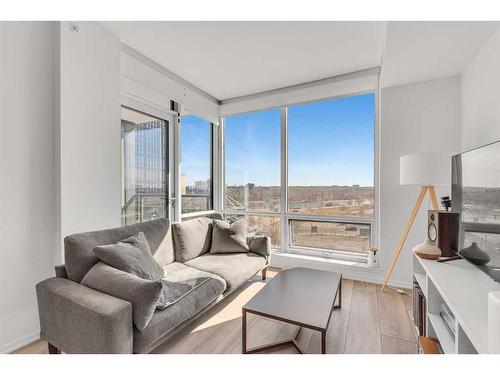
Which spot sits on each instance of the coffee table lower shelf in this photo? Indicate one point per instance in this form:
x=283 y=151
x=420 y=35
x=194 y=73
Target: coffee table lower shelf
x=277 y=344
x=274 y=345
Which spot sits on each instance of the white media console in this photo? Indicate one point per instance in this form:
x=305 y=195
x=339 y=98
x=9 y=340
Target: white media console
x=464 y=289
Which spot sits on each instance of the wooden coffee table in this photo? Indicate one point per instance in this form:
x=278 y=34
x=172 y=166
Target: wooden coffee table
x=300 y=296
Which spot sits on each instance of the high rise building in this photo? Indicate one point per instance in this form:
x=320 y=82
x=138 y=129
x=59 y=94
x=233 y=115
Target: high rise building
x=183 y=184
x=201 y=186
x=144 y=169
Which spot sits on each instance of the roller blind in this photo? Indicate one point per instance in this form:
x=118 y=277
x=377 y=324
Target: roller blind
x=346 y=84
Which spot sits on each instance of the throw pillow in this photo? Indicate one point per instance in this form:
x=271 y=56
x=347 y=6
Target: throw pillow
x=259 y=245
x=142 y=294
x=131 y=255
x=229 y=238
x=192 y=238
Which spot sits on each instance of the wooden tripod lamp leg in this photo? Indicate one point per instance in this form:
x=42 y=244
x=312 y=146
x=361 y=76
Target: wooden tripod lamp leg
x=397 y=251
x=434 y=200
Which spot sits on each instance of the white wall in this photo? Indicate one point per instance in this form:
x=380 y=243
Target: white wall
x=481 y=96
x=89 y=129
x=416 y=118
x=26 y=175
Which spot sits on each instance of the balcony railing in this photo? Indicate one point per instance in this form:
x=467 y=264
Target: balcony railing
x=196 y=202
x=149 y=206
x=144 y=207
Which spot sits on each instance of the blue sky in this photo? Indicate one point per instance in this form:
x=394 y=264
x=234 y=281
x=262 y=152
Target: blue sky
x=330 y=143
x=195 y=149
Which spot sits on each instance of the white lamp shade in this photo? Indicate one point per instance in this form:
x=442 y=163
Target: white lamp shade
x=428 y=168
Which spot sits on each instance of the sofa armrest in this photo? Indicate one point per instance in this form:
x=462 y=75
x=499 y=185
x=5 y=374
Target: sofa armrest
x=60 y=271
x=260 y=245
x=78 y=319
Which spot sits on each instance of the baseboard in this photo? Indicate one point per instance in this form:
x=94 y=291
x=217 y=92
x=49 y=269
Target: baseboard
x=353 y=272
x=19 y=343
x=397 y=284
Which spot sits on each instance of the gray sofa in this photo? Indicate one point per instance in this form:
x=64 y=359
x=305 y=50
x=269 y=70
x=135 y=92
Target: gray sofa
x=77 y=319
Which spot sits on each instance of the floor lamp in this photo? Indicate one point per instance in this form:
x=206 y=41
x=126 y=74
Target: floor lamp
x=427 y=170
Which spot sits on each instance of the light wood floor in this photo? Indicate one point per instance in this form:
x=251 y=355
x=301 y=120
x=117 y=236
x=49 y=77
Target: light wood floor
x=369 y=322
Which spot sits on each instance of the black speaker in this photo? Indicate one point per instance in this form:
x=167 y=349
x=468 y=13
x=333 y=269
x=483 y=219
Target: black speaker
x=442 y=230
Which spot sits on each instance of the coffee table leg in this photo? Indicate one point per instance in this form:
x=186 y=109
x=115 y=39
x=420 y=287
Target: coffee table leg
x=340 y=293
x=323 y=342
x=244 y=332
x=338 y=296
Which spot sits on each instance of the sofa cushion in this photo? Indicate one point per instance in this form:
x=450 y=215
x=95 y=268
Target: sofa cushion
x=180 y=280
x=142 y=294
x=164 y=254
x=235 y=269
x=166 y=320
x=79 y=248
x=192 y=238
x=131 y=255
x=229 y=238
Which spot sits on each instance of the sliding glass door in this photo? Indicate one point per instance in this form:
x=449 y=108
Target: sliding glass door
x=145 y=167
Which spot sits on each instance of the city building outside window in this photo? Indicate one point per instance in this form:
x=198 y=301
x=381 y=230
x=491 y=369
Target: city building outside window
x=144 y=166
x=196 y=165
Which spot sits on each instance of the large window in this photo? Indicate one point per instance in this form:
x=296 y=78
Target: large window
x=196 y=164
x=329 y=165
x=144 y=167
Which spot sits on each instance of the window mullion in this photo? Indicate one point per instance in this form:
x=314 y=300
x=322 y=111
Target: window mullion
x=284 y=181
x=177 y=170
x=222 y=163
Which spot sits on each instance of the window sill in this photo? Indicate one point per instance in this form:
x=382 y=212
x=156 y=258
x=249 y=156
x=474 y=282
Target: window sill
x=197 y=213
x=331 y=261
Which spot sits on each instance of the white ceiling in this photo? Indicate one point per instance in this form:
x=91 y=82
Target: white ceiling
x=420 y=51
x=231 y=59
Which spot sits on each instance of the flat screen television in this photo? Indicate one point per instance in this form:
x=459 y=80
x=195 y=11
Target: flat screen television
x=476 y=197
